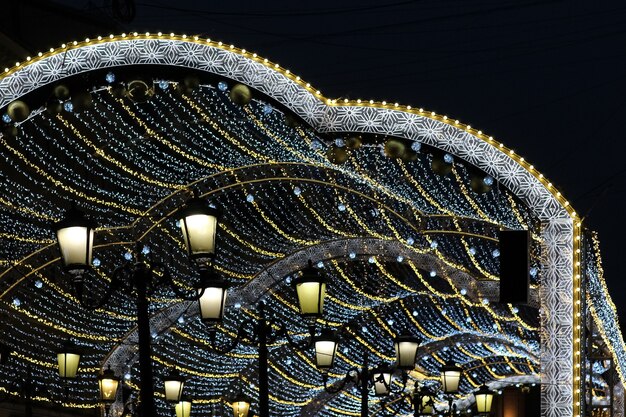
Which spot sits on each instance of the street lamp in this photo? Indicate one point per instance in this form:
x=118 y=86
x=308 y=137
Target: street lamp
x=68 y=358
x=183 y=407
x=108 y=383
x=212 y=297
x=75 y=233
x=174 y=384
x=198 y=223
x=325 y=348
x=381 y=379
x=240 y=405
x=484 y=399
x=450 y=378
x=406 y=352
x=423 y=401
x=311 y=290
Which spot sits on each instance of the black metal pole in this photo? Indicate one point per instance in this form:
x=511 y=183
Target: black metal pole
x=263 y=330
x=365 y=377
x=141 y=277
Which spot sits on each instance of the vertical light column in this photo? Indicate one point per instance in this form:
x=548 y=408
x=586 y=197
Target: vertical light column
x=577 y=315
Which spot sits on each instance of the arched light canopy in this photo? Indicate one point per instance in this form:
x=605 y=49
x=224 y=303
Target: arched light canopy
x=75 y=234
x=174 y=384
x=311 y=290
x=450 y=378
x=198 y=223
x=484 y=399
x=406 y=352
x=212 y=294
x=325 y=348
x=68 y=359
x=108 y=383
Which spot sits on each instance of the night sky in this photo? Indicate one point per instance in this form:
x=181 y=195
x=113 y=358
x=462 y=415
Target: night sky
x=544 y=77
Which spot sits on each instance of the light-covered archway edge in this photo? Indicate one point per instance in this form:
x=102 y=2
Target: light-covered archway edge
x=560 y=289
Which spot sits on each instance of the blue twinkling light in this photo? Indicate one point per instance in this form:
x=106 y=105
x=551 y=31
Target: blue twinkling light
x=352 y=255
x=495 y=253
x=488 y=180
x=127 y=376
x=164 y=85
x=410 y=241
x=288 y=279
x=345 y=350
x=472 y=251
x=444 y=312
x=400 y=258
x=374 y=212
x=128 y=256
x=448 y=158
x=340 y=143
x=177 y=222
x=515 y=310
x=237 y=305
x=416 y=146
x=463 y=291
x=433 y=274
x=38 y=283
x=341 y=207
x=68 y=106
x=495 y=326
x=222 y=86
x=434 y=244
x=364 y=329
x=468 y=319
x=533 y=271
x=320 y=264
x=181 y=320
x=250 y=198
x=154 y=335
x=17 y=302
x=371 y=259
x=390 y=322
x=96 y=262
x=485 y=301
x=145 y=250
x=6 y=118
x=297 y=191
x=267 y=109
x=110 y=77
x=288 y=361
x=316 y=145
x=414 y=313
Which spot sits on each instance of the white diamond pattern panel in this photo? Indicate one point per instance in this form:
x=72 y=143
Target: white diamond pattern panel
x=557 y=283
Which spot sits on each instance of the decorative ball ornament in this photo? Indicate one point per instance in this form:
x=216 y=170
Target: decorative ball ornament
x=118 y=90
x=354 y=142
x=240 y=94
x=61 y=92
x=440 y=166
x=337 y=155
x=18 y=111
x=394 y=148
x=139 y=91
x=478 y=185
x=82 y=101
x=54 y=107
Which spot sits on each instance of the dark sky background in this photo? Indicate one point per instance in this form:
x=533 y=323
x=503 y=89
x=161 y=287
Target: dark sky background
x=547 y=78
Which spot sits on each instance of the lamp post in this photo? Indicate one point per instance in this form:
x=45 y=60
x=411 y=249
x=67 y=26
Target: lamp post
x=310 y=291
x=423 y=401
x=450 y=379
x=183 y=407
x=68 y=359
x=380 y=377
x=484 y=399
x=75 y=236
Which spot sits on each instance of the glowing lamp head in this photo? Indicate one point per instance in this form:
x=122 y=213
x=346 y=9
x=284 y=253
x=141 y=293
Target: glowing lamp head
x=241 y=406
x=68 y=359
x=406 y=352
x=484 y=399
x=75 y=233
x=198 y=223
x=325 y=348
x=212 y=294
x=382 y=381
x=108 y=383
x=311 y=290
x=174 y=384
x=450 y=378
x=183 y=407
